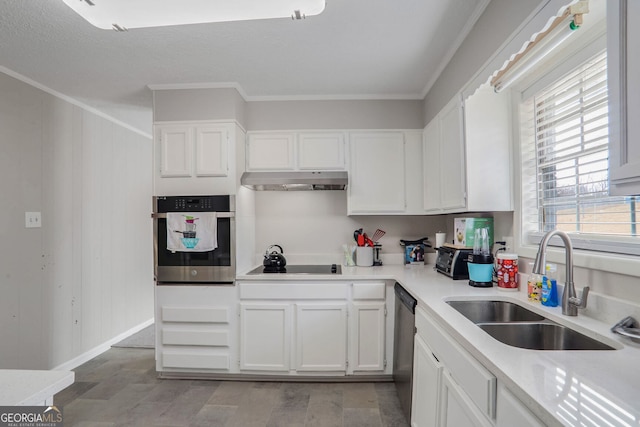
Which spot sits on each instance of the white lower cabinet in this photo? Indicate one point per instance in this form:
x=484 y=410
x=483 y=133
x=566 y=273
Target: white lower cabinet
x=290 y=327
x=265 y=331
x=456 y=408
x=452 y=389
x=195 y=328
x=512 y=412
x=368 y=326
x=427 y=371
x=313 y=328
x=466 y=395
x=321 y=337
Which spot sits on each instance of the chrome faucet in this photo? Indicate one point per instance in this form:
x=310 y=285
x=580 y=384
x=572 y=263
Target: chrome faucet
x=570 y=301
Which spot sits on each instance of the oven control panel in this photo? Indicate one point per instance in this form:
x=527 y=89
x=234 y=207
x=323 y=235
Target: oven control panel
x=192 y=204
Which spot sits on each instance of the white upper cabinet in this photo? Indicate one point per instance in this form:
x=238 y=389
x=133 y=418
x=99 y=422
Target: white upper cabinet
x=431 y=167
x=194 y=158
x=292 y=150
x=623 y=53
x=487 y=124
x=452 y=176
x=270 y=151
x=211 y=151
x=321 y=151
x=467 y=155
x=176 y=150
x=443 y=160
x=376 y=173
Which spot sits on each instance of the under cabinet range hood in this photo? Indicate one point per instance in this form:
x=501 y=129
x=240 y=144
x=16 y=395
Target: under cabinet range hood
x=295 y=181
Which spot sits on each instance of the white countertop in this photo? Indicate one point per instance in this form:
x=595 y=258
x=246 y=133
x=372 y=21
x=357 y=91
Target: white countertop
x=560 y=387
x=31 y=387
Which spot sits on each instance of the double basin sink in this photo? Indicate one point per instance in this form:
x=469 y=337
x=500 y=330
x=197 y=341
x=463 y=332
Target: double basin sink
x=517 y=326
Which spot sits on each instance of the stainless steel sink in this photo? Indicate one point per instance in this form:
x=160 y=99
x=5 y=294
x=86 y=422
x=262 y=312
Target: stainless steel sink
x=542 y=336
x=517 y=326
x=483 y=311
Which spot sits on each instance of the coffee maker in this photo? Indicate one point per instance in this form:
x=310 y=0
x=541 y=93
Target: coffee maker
x=480 y=261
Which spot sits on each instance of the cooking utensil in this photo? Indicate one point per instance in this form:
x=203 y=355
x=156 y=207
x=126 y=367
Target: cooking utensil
x=358 y=237
x=367 y=240
x=378 y=234
x=186 y=234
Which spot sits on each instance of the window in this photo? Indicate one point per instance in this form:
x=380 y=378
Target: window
x=565 y=163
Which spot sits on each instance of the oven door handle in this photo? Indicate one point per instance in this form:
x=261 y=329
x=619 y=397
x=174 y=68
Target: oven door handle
x=218 y=215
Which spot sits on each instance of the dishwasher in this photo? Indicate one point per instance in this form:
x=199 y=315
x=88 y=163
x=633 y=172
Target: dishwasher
x=403 y=334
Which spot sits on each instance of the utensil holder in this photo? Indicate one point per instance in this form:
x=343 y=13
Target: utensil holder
x=364 y=256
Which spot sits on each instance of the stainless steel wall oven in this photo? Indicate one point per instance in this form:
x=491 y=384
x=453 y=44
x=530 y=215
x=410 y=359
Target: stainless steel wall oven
x=211 y=267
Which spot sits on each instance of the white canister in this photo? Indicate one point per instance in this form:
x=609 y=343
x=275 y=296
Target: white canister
x=364 y=256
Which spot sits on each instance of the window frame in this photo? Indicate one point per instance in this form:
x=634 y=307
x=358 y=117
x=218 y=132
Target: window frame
x=607 y=253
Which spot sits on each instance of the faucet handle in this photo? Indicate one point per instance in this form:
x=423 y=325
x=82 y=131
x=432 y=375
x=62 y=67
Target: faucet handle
x=582 y=301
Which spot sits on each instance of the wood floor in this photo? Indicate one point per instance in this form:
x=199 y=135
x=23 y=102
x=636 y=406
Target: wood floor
x=120 y=388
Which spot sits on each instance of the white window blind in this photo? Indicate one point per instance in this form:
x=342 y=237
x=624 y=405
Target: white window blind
x=565 y=161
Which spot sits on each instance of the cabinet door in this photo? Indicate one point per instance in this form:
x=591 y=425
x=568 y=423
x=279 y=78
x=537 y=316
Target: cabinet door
x=321 y=337
x=431 y=166
x=270 y=151
x=512 y=412
x=456 y=409
x=211 y=151
x=426 y=386
x=376 y=182
x=452 y=156
x=265 y=336
x=623 y=62
x=321 y=151
x=368 y=337
x=176 y=151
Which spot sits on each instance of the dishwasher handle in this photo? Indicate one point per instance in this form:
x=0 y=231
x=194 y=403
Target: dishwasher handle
x=405 y=297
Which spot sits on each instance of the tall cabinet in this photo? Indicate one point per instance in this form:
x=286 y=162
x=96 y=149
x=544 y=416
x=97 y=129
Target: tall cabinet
x=623 y=54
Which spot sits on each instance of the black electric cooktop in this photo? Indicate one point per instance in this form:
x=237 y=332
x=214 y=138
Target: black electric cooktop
x=300 y=269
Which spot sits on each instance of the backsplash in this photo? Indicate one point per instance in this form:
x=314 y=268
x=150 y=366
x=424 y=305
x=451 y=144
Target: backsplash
x=312 y=226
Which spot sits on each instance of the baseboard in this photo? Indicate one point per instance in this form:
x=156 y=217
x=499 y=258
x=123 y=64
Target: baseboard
x=88 y=355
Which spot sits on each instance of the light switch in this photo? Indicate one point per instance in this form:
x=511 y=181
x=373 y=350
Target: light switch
x=32 y=219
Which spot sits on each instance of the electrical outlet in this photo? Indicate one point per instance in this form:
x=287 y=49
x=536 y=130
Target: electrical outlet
x=508 y=243
x=32 y=219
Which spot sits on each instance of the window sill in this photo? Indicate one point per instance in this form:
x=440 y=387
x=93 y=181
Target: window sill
x=602 y=261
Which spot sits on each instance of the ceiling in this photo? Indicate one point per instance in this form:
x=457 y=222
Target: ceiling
x=356 y=49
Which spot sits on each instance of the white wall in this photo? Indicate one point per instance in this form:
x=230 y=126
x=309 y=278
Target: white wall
x=86 y=276
x=198 y=104
x=351 y=114
x=493 y=29
x=312 y=226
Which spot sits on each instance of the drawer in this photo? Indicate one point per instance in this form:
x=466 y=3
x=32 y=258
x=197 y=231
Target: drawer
x=195 y=337
x=476 y=381
x=293 y=290
x=368 y=290
x=195 y=360
x=195 y=314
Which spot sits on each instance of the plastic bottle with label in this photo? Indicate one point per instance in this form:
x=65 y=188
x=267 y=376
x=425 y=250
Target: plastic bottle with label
x=534 y=285
x=549 y=296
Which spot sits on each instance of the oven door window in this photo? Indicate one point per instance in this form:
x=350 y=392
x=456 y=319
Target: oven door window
x=219 y=257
